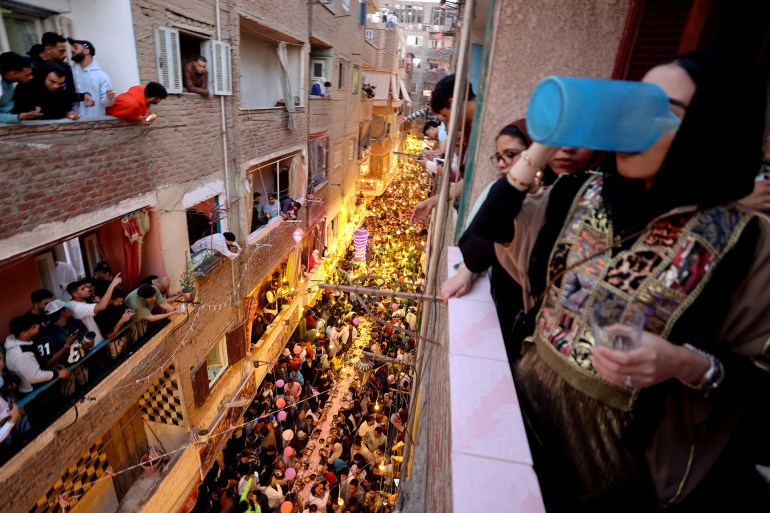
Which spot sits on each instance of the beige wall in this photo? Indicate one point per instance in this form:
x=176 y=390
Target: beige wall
x=533 y=39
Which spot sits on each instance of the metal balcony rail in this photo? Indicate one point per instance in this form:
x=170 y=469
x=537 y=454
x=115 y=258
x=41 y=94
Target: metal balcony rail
x=50 y=400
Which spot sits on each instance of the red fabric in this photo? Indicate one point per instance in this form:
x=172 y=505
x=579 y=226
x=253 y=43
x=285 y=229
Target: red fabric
x=330 y=478
x=310 y=321
x=131 y=254
x=130 y=105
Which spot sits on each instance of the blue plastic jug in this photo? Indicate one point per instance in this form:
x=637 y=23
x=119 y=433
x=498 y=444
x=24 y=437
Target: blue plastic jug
x=610 y=115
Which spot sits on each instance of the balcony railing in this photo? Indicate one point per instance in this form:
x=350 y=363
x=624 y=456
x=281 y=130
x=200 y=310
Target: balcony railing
x=50 y=400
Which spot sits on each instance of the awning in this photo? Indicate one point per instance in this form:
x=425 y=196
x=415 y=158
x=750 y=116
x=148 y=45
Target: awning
x=381 y=81
x=404 y=92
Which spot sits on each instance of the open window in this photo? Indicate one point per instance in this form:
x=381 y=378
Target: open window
x=175 y=49
x=356 y=74
x=261 y=70
x=203 y=219
x=318 y=67
x=216 y=361
x=341 y=71
x=283 y=176
x=108 y=25
x=318 y=159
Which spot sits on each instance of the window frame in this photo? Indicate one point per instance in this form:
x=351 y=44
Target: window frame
x=356 y=79
x=168 y=55
x=323 y=63
x=221 y=347
x=341 y=72
x=314 y=138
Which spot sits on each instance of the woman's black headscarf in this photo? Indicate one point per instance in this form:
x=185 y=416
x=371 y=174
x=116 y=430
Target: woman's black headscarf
x=715 y=155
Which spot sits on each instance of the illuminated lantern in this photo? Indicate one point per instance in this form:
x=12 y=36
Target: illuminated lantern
x=297 y=235
x=360 y=242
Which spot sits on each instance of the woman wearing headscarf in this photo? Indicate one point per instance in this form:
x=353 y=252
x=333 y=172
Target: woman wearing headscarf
x=479 y=254
x=680 y=420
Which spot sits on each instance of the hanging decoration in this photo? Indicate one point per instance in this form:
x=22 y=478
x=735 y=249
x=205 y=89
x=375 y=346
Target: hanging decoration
x=297 y=235
x=360 y=243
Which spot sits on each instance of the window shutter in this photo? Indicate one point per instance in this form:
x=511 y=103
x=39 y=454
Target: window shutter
x=200 y=382
x=46 y=270
x=93 y=253
x=362 y=10
x=63 y=25
x=236 y=345
x=221 y=73
x=169 y=61
x=654 y=30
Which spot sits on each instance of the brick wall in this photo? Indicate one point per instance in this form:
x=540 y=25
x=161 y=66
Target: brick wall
x=263 y=132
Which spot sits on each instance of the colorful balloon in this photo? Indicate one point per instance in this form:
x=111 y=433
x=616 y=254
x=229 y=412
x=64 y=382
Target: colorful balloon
x=287 y=434
x=281 y=416
x=297 y=349
x=279 y=383
x=288 y=452
x=356 y=321
x=280 y=402
x=394 y=306
x=290 y=472
x=286 y=507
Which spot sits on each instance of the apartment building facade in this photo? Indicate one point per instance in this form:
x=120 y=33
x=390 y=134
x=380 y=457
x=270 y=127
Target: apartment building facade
x=428 y=28
x=102 y=189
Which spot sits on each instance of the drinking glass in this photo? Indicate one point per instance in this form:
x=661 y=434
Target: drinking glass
x=617 y=324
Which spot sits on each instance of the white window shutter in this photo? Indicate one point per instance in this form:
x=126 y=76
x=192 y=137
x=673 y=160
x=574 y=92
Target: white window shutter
x=169 y=60
x=218 y=55
x=93 y=253
x=46 y=271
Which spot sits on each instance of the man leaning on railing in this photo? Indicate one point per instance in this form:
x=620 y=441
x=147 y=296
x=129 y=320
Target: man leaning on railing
x=21 y=359
x=144 y=300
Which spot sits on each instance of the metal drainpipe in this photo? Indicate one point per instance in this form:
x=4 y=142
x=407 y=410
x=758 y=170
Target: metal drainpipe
x=226 y=155
x=440 y=218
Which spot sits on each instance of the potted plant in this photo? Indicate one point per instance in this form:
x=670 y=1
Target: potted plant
x=187 y=282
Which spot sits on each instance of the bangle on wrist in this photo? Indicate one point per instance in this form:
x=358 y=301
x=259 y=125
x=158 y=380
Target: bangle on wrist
x=518 y=183
x=538 y=181
x=713 y=376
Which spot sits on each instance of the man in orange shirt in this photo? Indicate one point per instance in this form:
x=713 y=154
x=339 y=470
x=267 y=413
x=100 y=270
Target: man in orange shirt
x=134 y=105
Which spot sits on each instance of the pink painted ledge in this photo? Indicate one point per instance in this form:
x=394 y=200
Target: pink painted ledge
x=488 y=443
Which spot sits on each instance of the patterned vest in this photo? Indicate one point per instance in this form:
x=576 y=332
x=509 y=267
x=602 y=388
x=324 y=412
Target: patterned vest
x=663 y=272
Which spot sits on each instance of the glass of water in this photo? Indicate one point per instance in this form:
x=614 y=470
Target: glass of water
x=617 y=324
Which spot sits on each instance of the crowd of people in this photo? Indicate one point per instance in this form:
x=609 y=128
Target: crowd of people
x=43 y=85
x=56 y=332
x=316 y=438
x=677 y=418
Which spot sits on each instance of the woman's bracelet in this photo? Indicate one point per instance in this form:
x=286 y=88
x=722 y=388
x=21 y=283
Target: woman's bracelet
x=713 y=376
x=538 y=181
x=518 y=183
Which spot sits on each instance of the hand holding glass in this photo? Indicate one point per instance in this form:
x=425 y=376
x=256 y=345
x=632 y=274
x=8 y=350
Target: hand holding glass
x=617 y=324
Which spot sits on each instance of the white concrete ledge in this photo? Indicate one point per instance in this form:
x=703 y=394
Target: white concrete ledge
x=489 y=447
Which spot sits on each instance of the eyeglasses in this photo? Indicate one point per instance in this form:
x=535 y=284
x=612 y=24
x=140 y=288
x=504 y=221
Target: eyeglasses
x=507 y=156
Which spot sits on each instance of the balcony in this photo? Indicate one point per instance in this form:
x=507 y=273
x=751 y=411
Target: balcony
x=477 y=438
x=51 y=400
